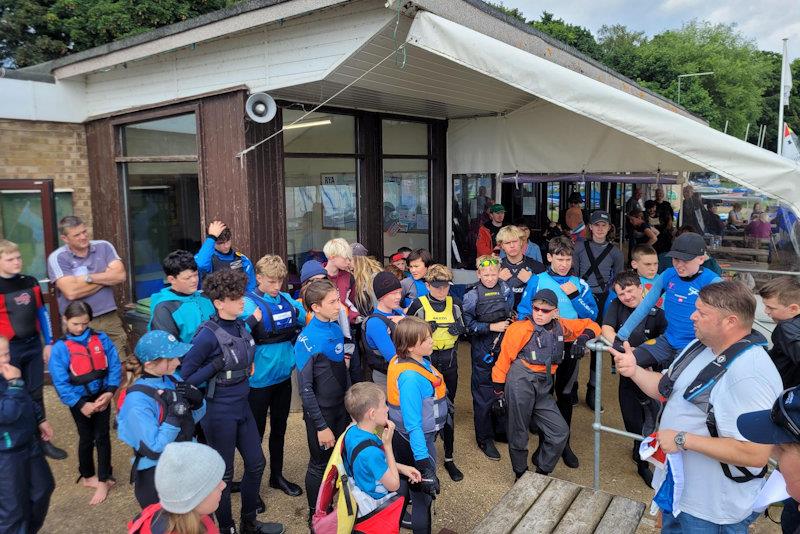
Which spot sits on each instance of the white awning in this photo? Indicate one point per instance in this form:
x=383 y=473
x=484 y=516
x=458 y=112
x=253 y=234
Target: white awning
x=580 y=124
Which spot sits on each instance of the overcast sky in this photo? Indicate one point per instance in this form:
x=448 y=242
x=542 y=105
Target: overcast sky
x=765 y=21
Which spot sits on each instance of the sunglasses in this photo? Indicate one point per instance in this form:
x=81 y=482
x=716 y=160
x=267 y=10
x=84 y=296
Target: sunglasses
x=782 y=419
x=489 y=262
x=544 y=310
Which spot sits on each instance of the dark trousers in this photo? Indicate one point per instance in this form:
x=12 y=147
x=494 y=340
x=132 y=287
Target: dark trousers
x=790 y=517
x=144 y=487
x=26 y=485
x=26 y=355
x=446 y=362
x=93 y=433
x=275 y=400
x=566 y=376
x=229 y=426
x=600 y=298
x=421 y=502
x=337 y=420
x=482 y=392
x=638 y=410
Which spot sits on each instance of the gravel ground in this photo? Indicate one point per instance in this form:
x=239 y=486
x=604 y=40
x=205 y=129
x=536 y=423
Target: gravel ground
x=459 y=508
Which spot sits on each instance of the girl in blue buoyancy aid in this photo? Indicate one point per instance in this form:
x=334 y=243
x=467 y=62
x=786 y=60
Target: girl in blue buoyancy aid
x=323 y=379
x=418 y=406
x=86 y=371
x=157 y=409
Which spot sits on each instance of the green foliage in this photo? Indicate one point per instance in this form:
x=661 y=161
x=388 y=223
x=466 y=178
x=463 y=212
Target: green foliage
x=575 y=36
x=513 y=13
x=27 y=35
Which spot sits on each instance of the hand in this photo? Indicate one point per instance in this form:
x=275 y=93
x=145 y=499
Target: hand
x=666 y=438
x=499 y=389
x=216 y=228
x=46 y=354
x=326 y=438
x=578 y=349
x=569 y=288
x=257 y=314
x=45 y=431
x=88 y=409
x=9 y=372
x=624 y=360
x=525 y=275
x=192 y=395
x=505 y=274
x=499 y=326
x=387 y=434
x=456 y=329
x=411 y=473
x=429 y=482
x=176 y=412
x=101 y=403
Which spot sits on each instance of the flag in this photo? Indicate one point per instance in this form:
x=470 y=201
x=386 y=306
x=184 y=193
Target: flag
x=790 y=148
x=670 y=488
x=786 y=76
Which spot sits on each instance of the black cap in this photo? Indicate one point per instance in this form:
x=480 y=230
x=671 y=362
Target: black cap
x=599 y=216
x=778 y=425
x=687 y=247
x=546 y=295
x=384 y=283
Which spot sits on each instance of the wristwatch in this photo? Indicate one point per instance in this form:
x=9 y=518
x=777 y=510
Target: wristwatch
x=680 y=440
x=87 y=278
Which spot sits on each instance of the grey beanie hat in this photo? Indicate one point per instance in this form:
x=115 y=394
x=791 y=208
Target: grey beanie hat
x=187 y=473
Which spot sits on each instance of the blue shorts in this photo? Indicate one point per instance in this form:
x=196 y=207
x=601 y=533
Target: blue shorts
x=656 y=353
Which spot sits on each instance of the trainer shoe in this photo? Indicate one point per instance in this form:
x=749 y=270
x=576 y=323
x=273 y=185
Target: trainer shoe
x=490 y=450
x=455 y=474
x=253 y=526
x=570 y=460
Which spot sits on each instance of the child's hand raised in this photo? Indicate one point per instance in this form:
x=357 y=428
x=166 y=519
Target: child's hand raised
x=413 y=475
x=388 y=433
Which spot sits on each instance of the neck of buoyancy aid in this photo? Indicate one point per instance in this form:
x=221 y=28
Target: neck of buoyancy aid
x=238 y=352
x=87 y=362
x=233 y=261
x=155 y=520
x=442 y=338
x=491 y=305
x=565 y=307
x=434 y=408
x=545 y=346
x=279 y=321
x=375 y=359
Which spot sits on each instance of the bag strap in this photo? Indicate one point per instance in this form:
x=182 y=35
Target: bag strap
x=594 y=264
x=746 y=475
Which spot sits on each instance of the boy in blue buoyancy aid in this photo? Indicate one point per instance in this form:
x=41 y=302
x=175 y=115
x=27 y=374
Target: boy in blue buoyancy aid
x=222 y=358
x=488 y=309
x=414 y=285
x=156 y=409
x=575 y=301
x=282 y=318
x=180 y=308
x=26 y=483
x=680 y=284
x=418 y=406
x=217 y=254
x=323 y=378
x=86 y=371
x=378 y=327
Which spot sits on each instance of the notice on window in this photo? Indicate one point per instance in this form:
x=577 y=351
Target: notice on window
x=528 y=206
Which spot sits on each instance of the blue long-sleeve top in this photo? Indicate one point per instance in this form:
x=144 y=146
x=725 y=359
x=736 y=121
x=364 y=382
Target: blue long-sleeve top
x=413 y=388
x=376 y=335
x=138 y=419
x=19 y=416
x=273 y=362
x=470 y=302
x=319 y=339
x=74 y=395
x=582 y=300
x=204 y=260
x=680 y=296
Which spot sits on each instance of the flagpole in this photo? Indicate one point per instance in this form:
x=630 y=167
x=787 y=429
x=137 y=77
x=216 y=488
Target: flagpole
x=780 y=99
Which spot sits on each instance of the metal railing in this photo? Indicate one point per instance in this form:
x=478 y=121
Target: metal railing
x=600 y=347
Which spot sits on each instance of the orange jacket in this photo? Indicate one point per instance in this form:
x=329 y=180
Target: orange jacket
x=484 y=245
x=519 y=333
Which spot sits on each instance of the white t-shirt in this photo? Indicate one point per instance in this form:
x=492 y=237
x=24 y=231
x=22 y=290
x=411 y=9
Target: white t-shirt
x=751 y=383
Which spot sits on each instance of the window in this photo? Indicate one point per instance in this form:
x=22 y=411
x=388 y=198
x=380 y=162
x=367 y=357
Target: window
x=473 y=194
x=319 y=133
x=162 y=195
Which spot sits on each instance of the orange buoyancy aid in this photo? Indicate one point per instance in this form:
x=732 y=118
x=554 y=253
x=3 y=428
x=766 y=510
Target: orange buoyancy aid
x=434 y=409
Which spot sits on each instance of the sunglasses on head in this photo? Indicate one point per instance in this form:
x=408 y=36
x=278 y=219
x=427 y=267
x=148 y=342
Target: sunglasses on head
x=543 y=310
x=489 y=262
x=782 y=419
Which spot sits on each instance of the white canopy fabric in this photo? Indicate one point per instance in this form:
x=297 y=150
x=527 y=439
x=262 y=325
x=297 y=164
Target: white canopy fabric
x=581 y=124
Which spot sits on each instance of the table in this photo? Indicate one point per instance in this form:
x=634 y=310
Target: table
x=539 y=504
x=757 y=254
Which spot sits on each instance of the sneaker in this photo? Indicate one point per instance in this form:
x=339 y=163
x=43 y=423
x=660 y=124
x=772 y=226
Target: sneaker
x=236 y=486
x=490 y=450
x=253 y=526
x=406 y=521
x=570 y=460
x=455 y=474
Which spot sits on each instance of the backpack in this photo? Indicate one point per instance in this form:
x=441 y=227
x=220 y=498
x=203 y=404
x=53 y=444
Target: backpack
x=152 y=521
x=338 y=500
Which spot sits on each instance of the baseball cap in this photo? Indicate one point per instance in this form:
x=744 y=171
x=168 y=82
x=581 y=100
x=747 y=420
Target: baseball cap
x=599 y=216
x=781 y=424
x=687 y=246
x=159 y=344
x=359 y=249
x=397 y=256
x=440 y=283
x=497 y=208
x=546 y=295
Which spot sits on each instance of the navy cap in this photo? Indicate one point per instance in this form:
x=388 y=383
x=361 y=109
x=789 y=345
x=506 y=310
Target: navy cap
x=546 y=295
x=599 y=216
x=774 y=426
x=159 y=344
x=687 y=247
x=311 y=268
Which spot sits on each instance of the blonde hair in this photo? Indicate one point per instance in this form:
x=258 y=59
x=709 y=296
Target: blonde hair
x=486 y=257
x=364 y=270
x=361 y=398
x=338 y=247
x=188 y=523
x=7 y=247
x=437 y=271
x=410 y=332
x=507 y=234
x=272 y=266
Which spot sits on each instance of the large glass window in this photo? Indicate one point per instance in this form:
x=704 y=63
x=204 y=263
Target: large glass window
x=321 y=133
x=162 y=196
x=473 y=194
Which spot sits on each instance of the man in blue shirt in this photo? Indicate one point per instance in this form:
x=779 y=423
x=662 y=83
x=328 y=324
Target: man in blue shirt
x=216 y=254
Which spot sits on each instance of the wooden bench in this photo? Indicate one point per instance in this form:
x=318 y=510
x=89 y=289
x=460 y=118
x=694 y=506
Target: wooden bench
x=756 y=254
x=540 y=504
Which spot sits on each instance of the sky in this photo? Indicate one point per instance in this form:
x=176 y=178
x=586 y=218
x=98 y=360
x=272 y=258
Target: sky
x=767 y=22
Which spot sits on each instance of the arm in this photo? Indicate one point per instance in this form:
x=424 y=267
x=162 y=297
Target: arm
x=525 y=306
x=411 y=394
x=141 y=424
x=196 y=365
x=247 y=266
x=626 y=366
x=725 y=450
x=163 y=320
x=114 y=376
x=44 y=324
x=652 y=235
x=379 y=338
x=11 y=404
x=301 y=311
x=516 y=337
x=619 y=263
x=203 y=256
x=643 y=309
x=304 y=358
x=113 y=275
x=584 y=302
x=608 y=332
x=574 y=328
x=59 y=374
x=76 y=287
x=473 y=323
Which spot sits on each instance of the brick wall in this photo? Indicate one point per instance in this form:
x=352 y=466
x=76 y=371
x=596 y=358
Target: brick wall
x=36 y=150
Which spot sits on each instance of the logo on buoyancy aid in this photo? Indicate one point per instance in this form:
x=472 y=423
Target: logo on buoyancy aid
x=23 y=299
x=339 y=348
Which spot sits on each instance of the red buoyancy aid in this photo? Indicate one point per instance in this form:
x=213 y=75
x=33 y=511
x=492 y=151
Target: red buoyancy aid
x=87 y=362
x=151 y=520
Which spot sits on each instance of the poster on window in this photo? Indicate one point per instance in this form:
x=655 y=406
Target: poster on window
x=338 y=192
x=405 y=202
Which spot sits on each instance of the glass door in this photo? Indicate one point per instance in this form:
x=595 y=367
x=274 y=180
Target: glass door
x=28 y=218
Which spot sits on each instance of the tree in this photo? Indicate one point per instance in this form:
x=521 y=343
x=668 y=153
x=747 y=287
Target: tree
x=576 y=36
x=28 y=35
x=513 y=13
x=620 y=48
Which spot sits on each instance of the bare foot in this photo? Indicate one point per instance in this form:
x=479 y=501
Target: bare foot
x=90 y=482
x=101 y=492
